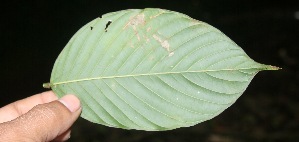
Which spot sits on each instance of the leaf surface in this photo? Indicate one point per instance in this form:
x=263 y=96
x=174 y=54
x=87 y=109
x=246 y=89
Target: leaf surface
x=152 y=69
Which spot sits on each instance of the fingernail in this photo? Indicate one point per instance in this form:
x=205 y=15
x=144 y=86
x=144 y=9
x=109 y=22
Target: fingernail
x=71 y=102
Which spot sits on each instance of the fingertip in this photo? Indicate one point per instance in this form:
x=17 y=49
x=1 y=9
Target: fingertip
x=71 y=102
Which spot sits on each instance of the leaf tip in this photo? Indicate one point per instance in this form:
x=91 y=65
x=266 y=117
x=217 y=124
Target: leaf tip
x=270 y=67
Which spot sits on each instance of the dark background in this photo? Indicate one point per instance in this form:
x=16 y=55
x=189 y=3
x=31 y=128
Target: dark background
x=33 y=32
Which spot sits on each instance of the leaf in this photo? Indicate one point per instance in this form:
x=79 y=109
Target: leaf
x=152 y=69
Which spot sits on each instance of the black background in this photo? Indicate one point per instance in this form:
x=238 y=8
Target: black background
x=33 y=32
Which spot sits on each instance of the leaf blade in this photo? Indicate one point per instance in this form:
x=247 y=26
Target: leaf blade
x=152 y=69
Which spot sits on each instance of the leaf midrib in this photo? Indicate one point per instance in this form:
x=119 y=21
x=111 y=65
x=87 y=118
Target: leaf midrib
x=148 y=74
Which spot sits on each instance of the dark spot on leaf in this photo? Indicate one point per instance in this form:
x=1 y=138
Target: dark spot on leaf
x=107 y=25
x=91 y=28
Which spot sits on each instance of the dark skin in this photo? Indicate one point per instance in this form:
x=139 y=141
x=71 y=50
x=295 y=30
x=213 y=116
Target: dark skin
x=39 y=118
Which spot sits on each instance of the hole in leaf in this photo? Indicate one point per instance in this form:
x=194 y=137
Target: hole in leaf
x=107 y=25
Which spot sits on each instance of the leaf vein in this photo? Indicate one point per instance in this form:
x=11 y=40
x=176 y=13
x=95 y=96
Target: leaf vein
x=118 y=106
x=192 y=96
x=135 y=108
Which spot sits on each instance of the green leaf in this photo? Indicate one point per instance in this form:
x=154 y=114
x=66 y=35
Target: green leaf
x=152 y=69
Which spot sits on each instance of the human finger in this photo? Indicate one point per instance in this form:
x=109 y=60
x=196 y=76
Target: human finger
x=15 y=109
x=44 y=122
x=63 y=137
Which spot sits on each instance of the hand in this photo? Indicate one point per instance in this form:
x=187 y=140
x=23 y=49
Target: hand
x=40 y=118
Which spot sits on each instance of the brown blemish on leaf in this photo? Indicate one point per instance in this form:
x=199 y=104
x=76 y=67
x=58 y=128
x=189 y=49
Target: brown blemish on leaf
x=146 y=38
x=170 y=54
x=138 y=37
x=152 y=58
x=164 y=44
x=131 y=44
x=148 y=29
x=154 y=16
x=136 y=21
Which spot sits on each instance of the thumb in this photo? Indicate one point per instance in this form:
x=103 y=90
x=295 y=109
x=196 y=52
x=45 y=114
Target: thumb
x=45 y=122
